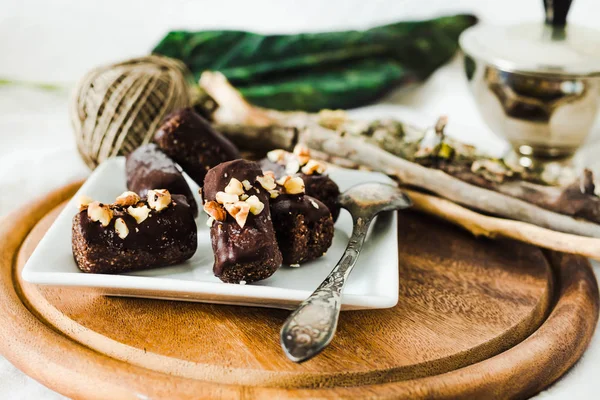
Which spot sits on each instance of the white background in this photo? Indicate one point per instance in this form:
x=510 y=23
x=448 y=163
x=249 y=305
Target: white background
x=59 y=41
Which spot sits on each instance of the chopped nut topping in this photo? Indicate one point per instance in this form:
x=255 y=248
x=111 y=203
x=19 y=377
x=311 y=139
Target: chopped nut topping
x=215 y=210
x=312 y=167
x=294 y=185
x=301 y=150
x=159 y=199
x=277 y=155
x=274 y=194
x=140 y=213
x=226 y=198
x=247 y=185
x=127 y=199
x=84 y=201
x=270 y=173
x=244 y=196
x=121 y=228
x=292 y=167
x=281 y=181
x=302 y=153
x=99 y=213
x=234 y=187
x=256 y=206
x=267 y=182
x=239 y=211
x=210 y=221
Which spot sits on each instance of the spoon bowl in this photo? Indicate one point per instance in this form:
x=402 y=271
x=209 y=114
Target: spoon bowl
x=369 y=199
x=310 y=328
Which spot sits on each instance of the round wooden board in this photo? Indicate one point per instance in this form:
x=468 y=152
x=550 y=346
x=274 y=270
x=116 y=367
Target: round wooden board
x=476 y=318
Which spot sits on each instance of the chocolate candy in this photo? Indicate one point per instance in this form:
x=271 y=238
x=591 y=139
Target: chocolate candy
x=148 y=167
x=132 y=235
x=242 y=235
x=317 y=185
x=303 y=226
x=192 y=142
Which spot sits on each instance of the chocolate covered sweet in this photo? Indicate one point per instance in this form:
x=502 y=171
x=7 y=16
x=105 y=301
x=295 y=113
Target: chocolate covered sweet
x=133 y=234
x=241 y=230
x=193 y=143
x=303 y=226
x=148 y=167
x=317 y=183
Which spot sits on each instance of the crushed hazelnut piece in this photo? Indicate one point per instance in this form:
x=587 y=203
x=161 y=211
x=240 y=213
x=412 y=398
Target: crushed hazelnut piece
x=226 y=198
x=215 y=211
x=121 y=228
x=281 y=181
x=274 y=194
x=267 y=182
x=234 y=187
x=270 y=173
x=140 y=213
x=127 y=199
x=210 y=221
x=312 y=167
x=302 y=153
x=247 y=185
x=84 y=201
x=277 y=155
x=99 y=212
x=239 y=211
x=159 y=199
x=294 y=185
x=244 y=196
x=256 y=206
x=292 y=167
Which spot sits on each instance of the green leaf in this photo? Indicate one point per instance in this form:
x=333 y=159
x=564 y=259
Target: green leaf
x=320 y=70
x=52 y=87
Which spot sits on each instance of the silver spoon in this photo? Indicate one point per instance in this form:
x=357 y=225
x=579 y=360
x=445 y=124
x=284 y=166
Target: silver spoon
x=310 y=328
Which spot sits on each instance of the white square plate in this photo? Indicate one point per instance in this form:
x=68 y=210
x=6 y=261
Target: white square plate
x=372 y=284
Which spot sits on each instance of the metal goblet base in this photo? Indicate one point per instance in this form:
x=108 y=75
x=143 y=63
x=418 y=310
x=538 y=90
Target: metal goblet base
x=554 y=166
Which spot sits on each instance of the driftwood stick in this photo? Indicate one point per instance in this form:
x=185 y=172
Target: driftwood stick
x=267 y=127
x=259 y=138
x=440 y=183
x=482 y=225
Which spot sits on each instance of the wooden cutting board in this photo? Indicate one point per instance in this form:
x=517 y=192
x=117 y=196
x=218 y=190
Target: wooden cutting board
x=476 y=318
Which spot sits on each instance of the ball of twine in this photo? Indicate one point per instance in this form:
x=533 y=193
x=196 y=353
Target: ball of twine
x=116 y=108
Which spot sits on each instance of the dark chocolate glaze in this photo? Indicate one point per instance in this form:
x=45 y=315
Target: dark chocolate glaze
x=319 y=186
x=303 y=226
x=242 y=254
x=164 y=238
x=148 y=167
x=299 y=204
x=193 y=143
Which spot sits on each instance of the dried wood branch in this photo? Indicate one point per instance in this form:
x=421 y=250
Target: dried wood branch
x=430 y=163
x=482 y=225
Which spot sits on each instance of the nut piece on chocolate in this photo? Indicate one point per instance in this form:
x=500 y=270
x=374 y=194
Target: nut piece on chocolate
x=313 y=173
x=116 y=238
x=148 y=167
x=193 y=143
x=242 y=235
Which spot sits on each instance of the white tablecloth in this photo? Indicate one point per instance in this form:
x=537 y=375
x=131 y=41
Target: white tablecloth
x=58 y=41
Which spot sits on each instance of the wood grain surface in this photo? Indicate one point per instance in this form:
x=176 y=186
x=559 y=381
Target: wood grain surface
x=476 y=318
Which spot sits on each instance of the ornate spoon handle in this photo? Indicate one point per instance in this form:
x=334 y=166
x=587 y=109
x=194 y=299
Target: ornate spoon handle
x=310 y=328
